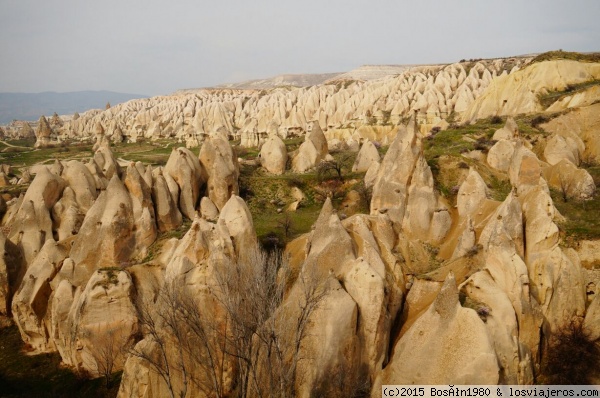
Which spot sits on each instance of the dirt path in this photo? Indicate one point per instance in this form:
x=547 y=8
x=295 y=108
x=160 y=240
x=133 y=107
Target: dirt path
x=14 y=146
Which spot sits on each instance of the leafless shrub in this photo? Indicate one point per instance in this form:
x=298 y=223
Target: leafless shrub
x=572 y=356
x=241 y=332
x=108 y=352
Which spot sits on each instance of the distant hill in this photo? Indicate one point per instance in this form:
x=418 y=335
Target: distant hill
x=29 y=106
x=303 y=80
x=365 y=72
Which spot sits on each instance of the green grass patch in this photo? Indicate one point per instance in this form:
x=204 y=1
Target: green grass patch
x=155 y=248
x=551 y=97
x=452 y=141
x=560 y=54
x=499 y=188
x=155 y=153
x=269 y=223
x=43 y=375
x=22 y=142
x=19 y=157
x=582 y=216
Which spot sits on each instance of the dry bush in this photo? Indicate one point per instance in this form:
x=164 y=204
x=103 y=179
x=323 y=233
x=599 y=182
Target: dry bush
x=572 y=357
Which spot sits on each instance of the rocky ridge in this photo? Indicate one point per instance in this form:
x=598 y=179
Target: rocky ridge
x=359 y=300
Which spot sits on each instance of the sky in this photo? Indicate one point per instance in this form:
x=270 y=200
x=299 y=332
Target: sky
x=155 y=47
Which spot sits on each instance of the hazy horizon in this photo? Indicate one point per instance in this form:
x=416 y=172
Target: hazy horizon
x=148 y=48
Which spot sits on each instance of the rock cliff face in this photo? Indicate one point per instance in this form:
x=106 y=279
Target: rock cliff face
x=423 y=289
x=432 y=91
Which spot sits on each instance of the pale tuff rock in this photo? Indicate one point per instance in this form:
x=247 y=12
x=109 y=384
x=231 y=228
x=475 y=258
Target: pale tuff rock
x=556 y=281
x=220 y=170
x=502 y=240
x=336 y=145
x=525 y=170
x=471 y=194
x=102 y=318
x=312 y=151
x=273 y=155
x=117 y=135
x=297 y=194
x=418 y=299
x=332 y=345
x=208 y=210
x=565 y=147
x=435 y=91
x=106 y=161
x=106 y=238
x=236 y=216
x=368 y=289
x=571 y=182
x=500 y=155
x=199 y=251
x=367 y=155
x=168 y=216
x=351 y=203
x=447 y=344
x=505 y=227
x=584 y=123
x=580 y=99
x=517 y=93
x=466 y=241
x=25 y=177
x=26 y=131
x=144 y=217
x=497 y=311
x=331 y=246
x=426 y=218
x=101 y=139
x=589 y=253
x=66 y=215
x=56 y=168
x=79 y=178
x=138 y=379
x=33 y=225
x=390 y=191
x=31 y=301
x=371 y=174
x=4 y=180
x=12 y=210
x=192 y=270
x=292 y=207
x=510 y=131
x=5 y=291
x=184 y=169
x=43 y=133
x=100 y=179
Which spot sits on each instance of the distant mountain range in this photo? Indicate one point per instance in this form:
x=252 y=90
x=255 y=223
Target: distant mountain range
x=29 y=106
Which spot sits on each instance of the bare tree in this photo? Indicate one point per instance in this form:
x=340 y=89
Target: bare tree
x=566 y=186
x=108 y=352
x=182 y=344
x=286 y=224
x=241 y=328
x=335 y=167
x=266 y=333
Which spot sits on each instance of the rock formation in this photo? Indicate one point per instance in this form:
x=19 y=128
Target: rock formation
x=368 y=155
x=183 y=168
x=312 y=151
x=273 y=155
x=429 y=287
x=221 y=170
x=43 y=133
